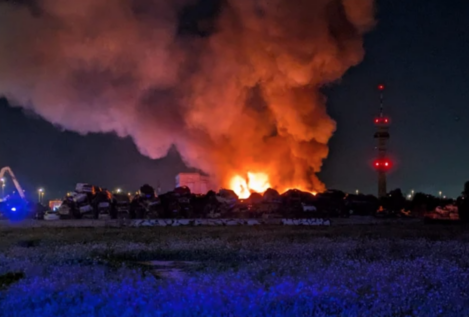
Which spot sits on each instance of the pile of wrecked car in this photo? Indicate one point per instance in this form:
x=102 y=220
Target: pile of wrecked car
x=89 y=201
x=86 y=200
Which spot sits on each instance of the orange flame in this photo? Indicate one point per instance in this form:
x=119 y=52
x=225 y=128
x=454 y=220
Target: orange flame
x=259 y=183
x=255 y=182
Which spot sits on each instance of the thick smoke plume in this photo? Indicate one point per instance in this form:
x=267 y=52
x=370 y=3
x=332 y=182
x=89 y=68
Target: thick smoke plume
x=238 y=91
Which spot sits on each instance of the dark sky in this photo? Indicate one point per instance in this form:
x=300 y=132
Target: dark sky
x=419 y=49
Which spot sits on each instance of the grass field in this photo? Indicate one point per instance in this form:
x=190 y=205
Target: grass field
x=380 y=270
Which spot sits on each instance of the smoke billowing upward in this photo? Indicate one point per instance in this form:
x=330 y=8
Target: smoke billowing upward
x=236 y=90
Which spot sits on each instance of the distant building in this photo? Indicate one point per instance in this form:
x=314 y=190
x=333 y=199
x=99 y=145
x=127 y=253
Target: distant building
x=198 y=184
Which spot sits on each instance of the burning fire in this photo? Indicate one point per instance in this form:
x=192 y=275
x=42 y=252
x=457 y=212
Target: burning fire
x=253 y=103
x=258 y=183
x=255 y=182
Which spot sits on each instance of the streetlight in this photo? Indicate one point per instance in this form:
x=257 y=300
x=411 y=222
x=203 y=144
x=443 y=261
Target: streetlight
x=357 y=191
x=40 y=194
x=118 y=190
x=440 y=193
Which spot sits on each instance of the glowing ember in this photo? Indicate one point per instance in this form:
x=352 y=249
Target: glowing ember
x=255 y=182
x=301 y=188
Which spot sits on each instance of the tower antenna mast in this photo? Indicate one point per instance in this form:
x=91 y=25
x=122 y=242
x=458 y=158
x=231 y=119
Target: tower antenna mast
x=381 y=100
x=382 y=164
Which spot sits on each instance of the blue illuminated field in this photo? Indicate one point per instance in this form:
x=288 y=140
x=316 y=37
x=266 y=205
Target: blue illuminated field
x=336 y=271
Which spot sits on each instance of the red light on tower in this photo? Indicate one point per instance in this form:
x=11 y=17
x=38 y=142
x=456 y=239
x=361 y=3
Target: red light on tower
x=382 y=164
x=387 y=164
x=381 y=87
x=382 y=120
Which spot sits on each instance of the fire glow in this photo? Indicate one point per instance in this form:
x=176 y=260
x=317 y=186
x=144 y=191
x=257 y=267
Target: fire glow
x=255 y=182
x=253 y=103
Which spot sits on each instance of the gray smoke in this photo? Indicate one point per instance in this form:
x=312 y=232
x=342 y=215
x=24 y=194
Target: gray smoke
x=243 y=97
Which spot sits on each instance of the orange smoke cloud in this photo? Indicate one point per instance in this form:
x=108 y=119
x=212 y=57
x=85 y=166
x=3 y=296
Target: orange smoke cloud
x=243 y=98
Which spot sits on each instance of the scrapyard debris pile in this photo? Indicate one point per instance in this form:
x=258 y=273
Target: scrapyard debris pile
x=88 y=200
x=144 y=204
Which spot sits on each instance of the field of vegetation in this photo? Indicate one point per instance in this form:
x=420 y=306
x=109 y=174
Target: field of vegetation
x=363 y=270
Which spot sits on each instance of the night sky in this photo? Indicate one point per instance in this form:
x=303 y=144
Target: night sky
x=418 y=49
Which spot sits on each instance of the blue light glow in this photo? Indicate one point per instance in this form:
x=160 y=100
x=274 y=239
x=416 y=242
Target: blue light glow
x=15 y=209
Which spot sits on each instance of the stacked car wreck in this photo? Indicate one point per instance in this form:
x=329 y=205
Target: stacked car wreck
x=94 y=202
x=87 y=200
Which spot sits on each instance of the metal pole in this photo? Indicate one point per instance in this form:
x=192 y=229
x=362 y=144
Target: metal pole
x=40 y=194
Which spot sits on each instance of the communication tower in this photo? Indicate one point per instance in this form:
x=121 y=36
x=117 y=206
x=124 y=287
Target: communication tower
x=382 y=163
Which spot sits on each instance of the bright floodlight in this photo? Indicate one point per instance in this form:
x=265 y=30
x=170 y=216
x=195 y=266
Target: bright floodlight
x=41 y=190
